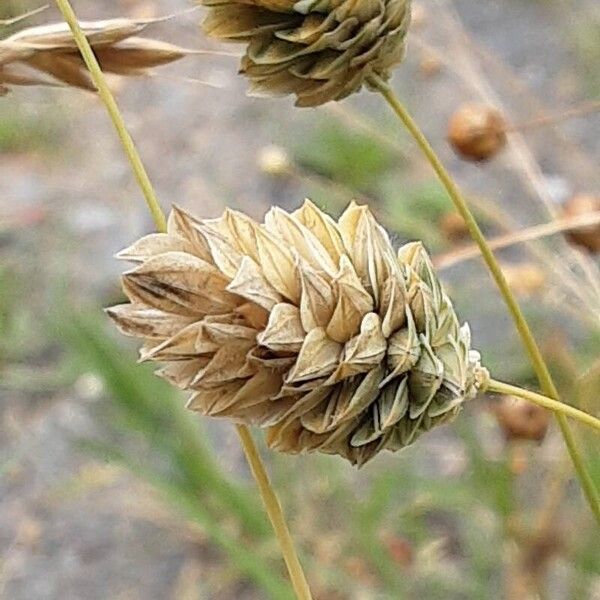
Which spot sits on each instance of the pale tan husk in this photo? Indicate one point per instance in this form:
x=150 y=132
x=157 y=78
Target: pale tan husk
x=48 y=54
x=317 y=50
x=314 y=329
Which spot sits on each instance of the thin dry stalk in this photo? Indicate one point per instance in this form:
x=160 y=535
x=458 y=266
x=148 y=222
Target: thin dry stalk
x=272 y=506
x=525 y=235
x=19 y=18
x=359 y=122
x=579 y=160
x=587 y=108
x=486 y=208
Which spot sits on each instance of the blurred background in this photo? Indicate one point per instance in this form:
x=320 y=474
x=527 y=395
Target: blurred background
x=109 y=489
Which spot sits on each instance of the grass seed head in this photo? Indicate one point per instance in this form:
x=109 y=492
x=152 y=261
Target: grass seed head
x=48 y=54
x=453 y=227
x=317 y=50
x=314 y=329
x=526 y=279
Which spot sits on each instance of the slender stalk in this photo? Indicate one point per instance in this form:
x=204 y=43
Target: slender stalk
x=275 y=514
x=553 y=119
x=269 y=497
x=535 y=355
x=537 y=232
x=19 y=18
x=110 y=103
x=498 y=387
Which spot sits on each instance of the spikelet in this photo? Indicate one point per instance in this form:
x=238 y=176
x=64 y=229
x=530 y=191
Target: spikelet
x=314 y=329
x=48 y=54
x=318 y=50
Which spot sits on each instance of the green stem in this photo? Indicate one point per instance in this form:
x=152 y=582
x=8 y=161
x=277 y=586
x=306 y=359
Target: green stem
x=535 y=355
x=272 y=505
x=498 y=387
x=276 y=515
x=110 y=103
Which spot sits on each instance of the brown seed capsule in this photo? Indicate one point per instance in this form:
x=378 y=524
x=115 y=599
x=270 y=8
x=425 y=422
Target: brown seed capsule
x=315 y=329
x=401 y=551
x=453 y=227
x=477 y=132
x=317 y=50
x=525 y=279
x=429 y=65
x=521 y=420
x=419 y=16
x=585 y=237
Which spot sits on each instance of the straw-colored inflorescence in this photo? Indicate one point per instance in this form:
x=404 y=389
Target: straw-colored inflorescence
x=48 y=54
x=314 y=329
x=318 y=50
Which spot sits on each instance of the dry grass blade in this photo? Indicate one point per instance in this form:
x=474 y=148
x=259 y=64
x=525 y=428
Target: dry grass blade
x=48 y=55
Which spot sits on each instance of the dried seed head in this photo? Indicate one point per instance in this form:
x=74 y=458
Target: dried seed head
x=314 y=329
x=274 y=160
x=318 y=50
x=419 y=16
x=521 y=420
x=429 y=65
x=477 y=132
x=585 y=237
x=453 y=227
x=525 y=279
x=48 y=55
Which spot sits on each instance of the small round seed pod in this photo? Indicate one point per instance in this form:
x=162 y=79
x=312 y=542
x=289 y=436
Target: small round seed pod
x=525 y=279
x=419 y=16
x=521 y=420
x=429 y=65
x=585 y=237
x=317 y=50
x=453 y=227
x=314 y=329
x=477 y=132
x=274 y=160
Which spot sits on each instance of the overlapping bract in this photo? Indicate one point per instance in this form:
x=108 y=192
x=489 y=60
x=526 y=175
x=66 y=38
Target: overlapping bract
x=318 y=50
x=314 y=329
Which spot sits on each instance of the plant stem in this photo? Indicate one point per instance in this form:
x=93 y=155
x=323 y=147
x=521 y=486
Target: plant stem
x=498 y=387
x=269 y=497
x=275 y=514
x=535 y=355
x=108 y=99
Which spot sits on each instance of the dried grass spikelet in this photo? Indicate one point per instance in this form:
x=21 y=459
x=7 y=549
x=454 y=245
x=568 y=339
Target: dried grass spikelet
x=314 y=329
x=318 y=50
x=48 y=54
